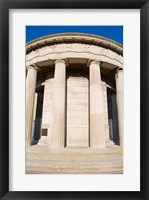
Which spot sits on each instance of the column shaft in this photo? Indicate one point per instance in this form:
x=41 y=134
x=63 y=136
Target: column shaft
x=30 y=95
x=57 y=137
x=120 y=99
x=97 y=133
x=104 y=95
x=34 y=114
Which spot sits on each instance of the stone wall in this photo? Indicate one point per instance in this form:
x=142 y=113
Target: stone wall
x=47 y=105
x=77 y=110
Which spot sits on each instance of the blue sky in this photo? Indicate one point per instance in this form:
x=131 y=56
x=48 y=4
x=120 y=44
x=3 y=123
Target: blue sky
x=112 y=32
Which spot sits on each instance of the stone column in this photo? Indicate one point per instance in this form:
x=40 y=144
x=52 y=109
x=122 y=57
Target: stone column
x=97 y=133
x=105 y=111
x=34 y=113
x=57 y=137
x=119 y=91
x=30 y=95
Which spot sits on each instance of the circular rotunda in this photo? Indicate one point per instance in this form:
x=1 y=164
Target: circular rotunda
x=74 y=91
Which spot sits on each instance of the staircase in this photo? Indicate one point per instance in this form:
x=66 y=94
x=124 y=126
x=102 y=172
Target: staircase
x=42 y=160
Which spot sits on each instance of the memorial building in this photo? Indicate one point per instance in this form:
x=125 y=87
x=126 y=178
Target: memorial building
x=74 y=92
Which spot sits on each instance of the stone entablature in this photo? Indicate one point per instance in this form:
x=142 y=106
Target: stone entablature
x=74 y=50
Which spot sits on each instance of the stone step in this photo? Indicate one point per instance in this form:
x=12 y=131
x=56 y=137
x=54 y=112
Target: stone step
x=41 y=149
x=62 y=164
x=74 y=167
x=41 y=159
x=64 y=157
x=50 y=170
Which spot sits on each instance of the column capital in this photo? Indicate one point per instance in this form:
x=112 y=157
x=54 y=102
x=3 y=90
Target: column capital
x=119 y=70
x=33 y=66
x=93 y=62
x=60 y=61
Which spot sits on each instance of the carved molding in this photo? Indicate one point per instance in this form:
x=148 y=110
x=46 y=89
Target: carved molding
x=77 y=50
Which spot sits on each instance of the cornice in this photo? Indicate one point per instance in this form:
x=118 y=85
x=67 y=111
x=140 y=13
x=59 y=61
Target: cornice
x=74 y=38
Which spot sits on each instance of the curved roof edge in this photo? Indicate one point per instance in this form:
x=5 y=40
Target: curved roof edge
x=74 y=37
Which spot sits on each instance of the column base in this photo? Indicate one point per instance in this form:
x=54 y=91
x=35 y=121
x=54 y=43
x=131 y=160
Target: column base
x=102 y=147
x=44 y=140
x=109 y=142
x=28 y=144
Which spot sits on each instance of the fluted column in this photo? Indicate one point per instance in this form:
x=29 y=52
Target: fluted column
x=34 y=114
x=120 y=99
x=30 y=95
x=97 y=133
x=57 y=137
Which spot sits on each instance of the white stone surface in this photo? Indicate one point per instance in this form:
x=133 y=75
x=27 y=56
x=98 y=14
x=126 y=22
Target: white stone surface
x=64 y=51
x=57 y=135
x=120 y=102
x=77 y=120
x=30 y=96
x=97 y=129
